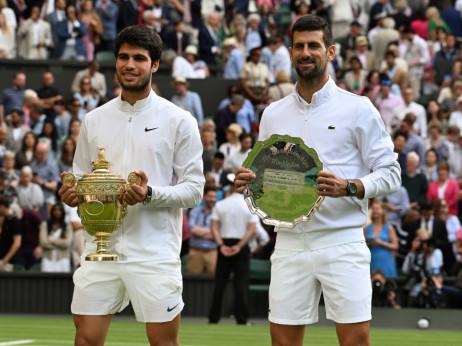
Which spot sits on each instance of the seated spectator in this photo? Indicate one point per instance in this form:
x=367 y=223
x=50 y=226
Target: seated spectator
x=26 y=154
x=67 y=155
x=62 y=117
x=414 y=181
x=217 y=169
x=449 y=96
x=384 y=290
x=34 y=37
x=16 y=131
x=30 y=195
x=382 y=241
x=280 y=57
x=445 y=188
x=209 y=147
x=355 y=78
x=187 y=99
x=70 y=34
x=372 y=84
x=434 y=113
x=245 y=116
x=209 y=47
x=414 y=142
x=366 y=56
x=387 y=101
x=74 y=130
x=233 y=59
x=282 y=88
x=254 y=78
x=430 y=167
x=49 y=136
x=30 y=252
x=410 y=106
x=10 y=241
x=88 y=97
x=94 y=28
x=456 y=116
x=455 y=161
x=49 y=94
x=37 y=119
x=438 y=142
x=97 y=79
x=11 y=174
x=202 y=248
x=55 y=240
x=12 y=98
x=188 y=66
x=237 y=158
x=452 y=225
x=231 y=144
x=7 y=39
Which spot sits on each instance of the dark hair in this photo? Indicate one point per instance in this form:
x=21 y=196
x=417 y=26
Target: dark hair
x=432 y=150
x=53 y=135
x=219 y=155
x=71 y=122
x=243 y=136
x=370 y=74
x=426 y=205
x=399 y=133
x=62 y=223
x=5 y=200
x=140 y=36
x=37 y=109
x=18 y=112
x=355 y=58
x=390 y=53
x=311 y=22
x=210 y=188
x=442 y=165
x=23 y=144
x=65 y=154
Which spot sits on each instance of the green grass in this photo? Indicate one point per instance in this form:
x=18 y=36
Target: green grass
x=60 y=331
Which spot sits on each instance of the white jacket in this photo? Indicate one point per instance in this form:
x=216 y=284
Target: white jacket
x=350 y=139
x=171 y=156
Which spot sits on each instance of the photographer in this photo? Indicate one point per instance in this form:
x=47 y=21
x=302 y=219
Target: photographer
x=383 y=291
x=422 y=265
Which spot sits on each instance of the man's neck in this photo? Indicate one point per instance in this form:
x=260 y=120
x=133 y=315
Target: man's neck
x=307 y=88
x=132 y=97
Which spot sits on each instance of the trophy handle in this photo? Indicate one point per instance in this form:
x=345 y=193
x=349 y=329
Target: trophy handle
x=70 y=178
x=133 y=179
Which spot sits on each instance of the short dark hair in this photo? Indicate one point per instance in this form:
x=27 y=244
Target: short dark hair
x=311 y=22
x=219 y=155
x=5 y=201
x=140 y=36
x=18 y=112
x=210 y=188
x=243 y=136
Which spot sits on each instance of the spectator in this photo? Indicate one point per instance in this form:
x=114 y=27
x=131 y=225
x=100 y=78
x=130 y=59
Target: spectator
x=384 y=290
x=386 y=100
x=431 y=161
x=434 y=22
x=438 y=142
x=49 y=136
x=8 y=14
x=61 y=117
x=456 y=116
x=217 y=168
x=254 y=38
x=10 y=241
x=176 y=41
x=233 y=59
x=7 y=39
x=188 y=66
x=355 y=78
x=12 y=98
x=162 y=18
x=397 y=74
x=455 y=161
x=94 y=28
x=233 y=225
x=37 y=120
x=282 y=88
x=70 y=34
x=387 y=35
x=26 y=154
x=98 y=81
x=10 y=173
x=245 y=117
x=443 y=61
x=209 y=44
x=88 y=97
x=260 y=244
x=55 y=240
x=209 y=147
x=451 y=17
x=434 y=114
x=445 y=188
x=382 y=241
x=49 y=94
x=348 y=42
x=67 y=155
x=366 y=56
x=129 y=11
x=452 y=225
x=30 y=195
x=413 y=141
x=227 y=116
x=16 y=131
x=108 y=11
x=237 y=158
x=414 y=181
x=254 y=78
x=188 y=100
x=372 y=87
x=280 y=57
x=58 y=15
x=34 y=37
x=448 y=97
x=202 y=248
x=410 y=106
x=46 y=174
x=30 y=252
x=74 y=129
x=380 y=9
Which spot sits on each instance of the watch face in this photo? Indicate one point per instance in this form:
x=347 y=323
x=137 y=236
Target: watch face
x=352 y=188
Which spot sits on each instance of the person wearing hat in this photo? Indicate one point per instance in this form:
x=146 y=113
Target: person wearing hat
x=188 y=67
x=187 y=99
x=282 y=88
x=382 y=39
x=233 y=59
x=366 y=56
x=255 y=77
x=232 y=226
x=348 y=42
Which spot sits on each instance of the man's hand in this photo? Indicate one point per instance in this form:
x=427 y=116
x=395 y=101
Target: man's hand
x=136 y=193
x=242 y=178
x=331 y=185
x=68 y=194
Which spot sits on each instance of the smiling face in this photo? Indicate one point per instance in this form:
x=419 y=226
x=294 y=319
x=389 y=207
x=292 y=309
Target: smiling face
x=309 y=54
x=135 y=68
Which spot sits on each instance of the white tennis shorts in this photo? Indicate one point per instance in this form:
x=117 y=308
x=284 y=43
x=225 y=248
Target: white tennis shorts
x=154 y=290
x=340 y=272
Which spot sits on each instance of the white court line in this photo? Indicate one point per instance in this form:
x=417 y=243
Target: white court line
x=17 y=342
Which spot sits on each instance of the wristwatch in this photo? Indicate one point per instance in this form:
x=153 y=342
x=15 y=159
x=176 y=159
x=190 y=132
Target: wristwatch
x=351 y=188
x=148 y=196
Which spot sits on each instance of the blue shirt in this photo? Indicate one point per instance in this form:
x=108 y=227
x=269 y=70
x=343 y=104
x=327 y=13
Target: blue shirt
x=198 y=216
x=192 y=103
x=47 y=171
x=234 y=65
x=244 y=116
x=11 y=99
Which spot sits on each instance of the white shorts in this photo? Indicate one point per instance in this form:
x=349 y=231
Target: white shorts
x=103 y=288
x=340 y=272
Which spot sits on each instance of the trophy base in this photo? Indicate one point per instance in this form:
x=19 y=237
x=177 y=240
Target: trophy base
x=100 y=257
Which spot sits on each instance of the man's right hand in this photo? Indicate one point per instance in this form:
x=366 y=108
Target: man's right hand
x=68 y=194
x=242 y=178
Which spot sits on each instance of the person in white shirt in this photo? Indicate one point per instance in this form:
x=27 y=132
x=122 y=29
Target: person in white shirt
x=456 y=117
x=237 y=158
x=409 y=106
x=138 y=130
x=280 y=57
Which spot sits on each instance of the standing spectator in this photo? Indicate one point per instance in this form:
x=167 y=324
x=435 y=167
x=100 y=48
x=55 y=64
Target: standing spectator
x=282 y=88
x=444 y=188
x=70 y=34
x=55 y=240
x=430 y=167
x=414 y=181
x=410 y=106
x=12 y=98
x=176 y=40
x=452 y=17
x=34 y=37
x=355 y=78
x=452 y=223
x=443 y=61
x=455 y=161
x=98 y=80
x=202 y=248
x=348 y=42
x=30 y=252
x=67 y=155
x=366 y=56
x=255 y=78
x=94 y=28
x=48 y=91
x=10 y=241
x=227 y=116
x=380 y=7
x=88 y=97
x=7 y=40
x=9 y=14
x=383 y=39
x=417 y=57
x=438 y=142
x=187 y=99
x=129 y=11
x=382 y=241
x=188 y=66
x=108 y=12
x=413 y=141
x=26 y=154
x=397 y=74
x=280 y=57
x=160 y=19
x=209 y=44
x=245 y=116
x=30 y=195
x=58 y=15
x=233 y=59
x=46 y=174
x=341 y=14
x=387 y=101
x=16 y=131
x=233 y=225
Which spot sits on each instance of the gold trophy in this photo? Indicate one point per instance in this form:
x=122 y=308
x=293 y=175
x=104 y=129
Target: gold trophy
x=101 y=205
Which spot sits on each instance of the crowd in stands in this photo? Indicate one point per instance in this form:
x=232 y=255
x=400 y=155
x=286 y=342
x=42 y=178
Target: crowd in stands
x=404 y=55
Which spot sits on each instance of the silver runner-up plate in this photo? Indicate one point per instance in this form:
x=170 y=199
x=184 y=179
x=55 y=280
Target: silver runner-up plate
x=283 y=194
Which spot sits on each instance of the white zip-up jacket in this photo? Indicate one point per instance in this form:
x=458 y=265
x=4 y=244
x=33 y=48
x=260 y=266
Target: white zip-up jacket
x=163 y=140
x=350 y=138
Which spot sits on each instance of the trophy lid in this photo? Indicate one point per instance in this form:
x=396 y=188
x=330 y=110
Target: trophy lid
x=101 y=170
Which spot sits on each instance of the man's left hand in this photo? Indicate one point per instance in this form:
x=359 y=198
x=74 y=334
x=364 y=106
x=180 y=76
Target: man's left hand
x=136 y=193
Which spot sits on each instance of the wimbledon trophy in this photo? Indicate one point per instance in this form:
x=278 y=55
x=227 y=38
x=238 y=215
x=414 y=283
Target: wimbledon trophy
x=101 y=204
x=283 y=193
